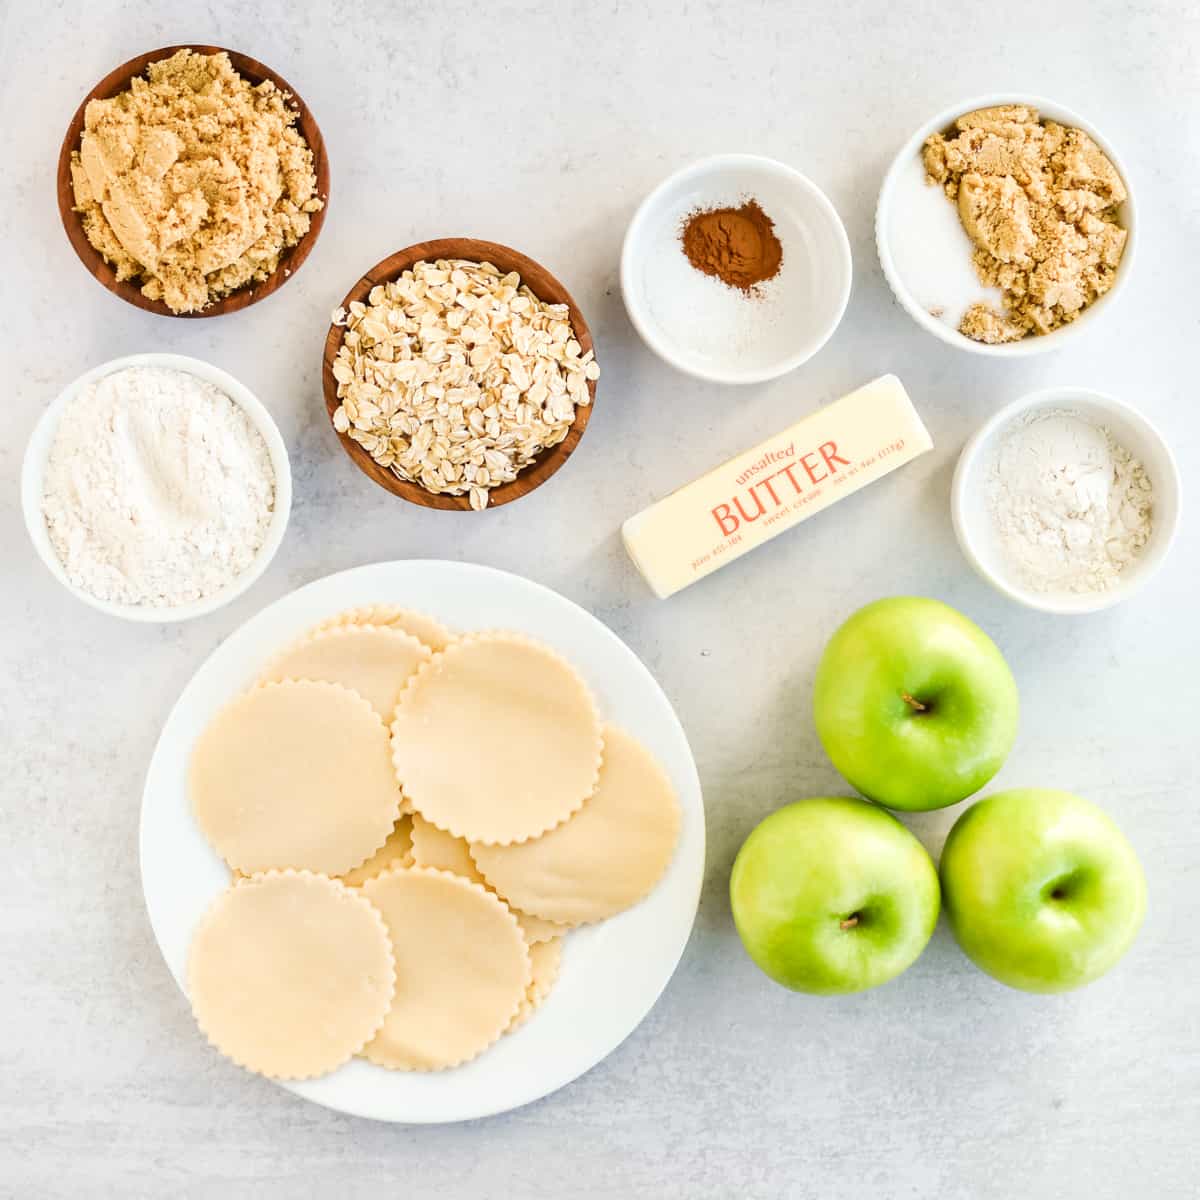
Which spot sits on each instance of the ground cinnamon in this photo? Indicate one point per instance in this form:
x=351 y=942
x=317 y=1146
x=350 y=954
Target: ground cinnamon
x=736 y=245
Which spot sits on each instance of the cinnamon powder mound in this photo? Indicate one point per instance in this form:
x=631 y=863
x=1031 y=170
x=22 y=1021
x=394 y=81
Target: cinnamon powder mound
x=738 y=246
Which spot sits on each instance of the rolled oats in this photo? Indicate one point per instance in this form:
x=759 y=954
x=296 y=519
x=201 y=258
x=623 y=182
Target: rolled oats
x=456 y=376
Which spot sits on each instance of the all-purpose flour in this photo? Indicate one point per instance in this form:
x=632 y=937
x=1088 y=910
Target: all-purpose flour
x=158 y=490
x=1073 y=508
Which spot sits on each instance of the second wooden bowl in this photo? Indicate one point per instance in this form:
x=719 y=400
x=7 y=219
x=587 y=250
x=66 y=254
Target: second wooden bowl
x=129 y=290
x=544 y=286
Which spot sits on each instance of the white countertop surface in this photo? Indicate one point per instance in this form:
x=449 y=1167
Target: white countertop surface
x=543 y=126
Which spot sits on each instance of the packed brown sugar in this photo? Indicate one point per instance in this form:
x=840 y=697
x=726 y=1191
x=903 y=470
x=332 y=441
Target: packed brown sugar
x=1039 y=201
x=194 y=182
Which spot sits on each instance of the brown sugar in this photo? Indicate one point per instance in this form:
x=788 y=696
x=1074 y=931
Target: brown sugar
x=1039 y=202
x=193 y=181
x=736 y=245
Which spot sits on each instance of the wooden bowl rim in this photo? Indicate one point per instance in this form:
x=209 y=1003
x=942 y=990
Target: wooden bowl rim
x=118 y=80
x=506 y=259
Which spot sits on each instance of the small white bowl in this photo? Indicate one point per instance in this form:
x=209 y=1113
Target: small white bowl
x=975 y=528
x=33 y=472
x=715 y=332
x=885 y=212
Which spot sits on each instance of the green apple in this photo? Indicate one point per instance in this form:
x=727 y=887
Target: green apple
x=833 y=895
x=1042 y=890
x=914 y=704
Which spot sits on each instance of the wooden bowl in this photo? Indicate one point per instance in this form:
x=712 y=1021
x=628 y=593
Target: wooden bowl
x=544 y=286
x=129 y=289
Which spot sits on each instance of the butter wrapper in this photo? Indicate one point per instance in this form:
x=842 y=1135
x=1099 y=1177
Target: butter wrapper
x=768 y=489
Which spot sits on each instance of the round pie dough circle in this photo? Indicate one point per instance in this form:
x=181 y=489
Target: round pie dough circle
x=462 y=969
x=424 y=628
x=372 y=660
x=546 y=960
x=295 y=774
x=607 y=857
x=496 y=739
x=290 y=974
x=395 y=852
x=434 y=847
x=538 y=929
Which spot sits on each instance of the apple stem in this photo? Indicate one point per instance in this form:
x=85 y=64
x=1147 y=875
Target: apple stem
x=850 y=922
x=913 y=702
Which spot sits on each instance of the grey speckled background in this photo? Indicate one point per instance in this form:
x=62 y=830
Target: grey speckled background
x=543 y=126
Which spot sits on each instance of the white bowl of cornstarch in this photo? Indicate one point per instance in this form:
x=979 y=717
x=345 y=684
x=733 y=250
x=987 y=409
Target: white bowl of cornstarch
x=156 y=487
x=1066 y=500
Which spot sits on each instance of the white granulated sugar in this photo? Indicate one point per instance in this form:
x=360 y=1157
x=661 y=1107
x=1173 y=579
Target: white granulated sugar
x=158 y=489
x=699 y=311
x=1073 y=508
x=932 y=251
x=716 y=323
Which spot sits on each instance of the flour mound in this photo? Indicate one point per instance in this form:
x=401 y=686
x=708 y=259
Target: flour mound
x=1073 y=508
x=159 y=490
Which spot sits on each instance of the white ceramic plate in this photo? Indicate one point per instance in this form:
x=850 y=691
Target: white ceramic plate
x=612 y=973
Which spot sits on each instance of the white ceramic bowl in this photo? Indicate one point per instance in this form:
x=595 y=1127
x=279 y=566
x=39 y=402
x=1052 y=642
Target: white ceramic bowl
x=886 y=209
x=975 y=529
x=38 y=451
x=712 y=331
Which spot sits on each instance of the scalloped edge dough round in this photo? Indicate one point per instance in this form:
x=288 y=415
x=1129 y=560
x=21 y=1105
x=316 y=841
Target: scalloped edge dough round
x=373 y=660
x=434 y=847
x=425 y=629
x=395 y=852
x=496 y=739
x=538 y=929
x=295 y=774
x=463 y=969
x=290 y=974
x=607 y=857
x=546 y=959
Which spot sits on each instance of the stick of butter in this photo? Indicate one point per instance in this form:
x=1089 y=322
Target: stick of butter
x=785 y=480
